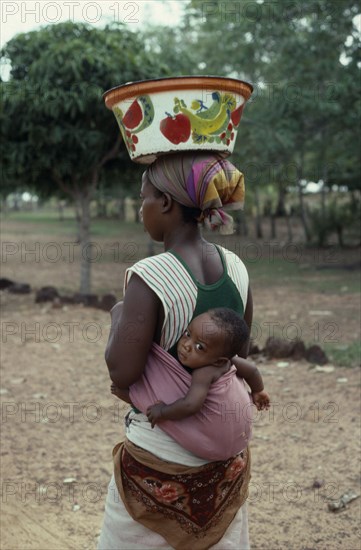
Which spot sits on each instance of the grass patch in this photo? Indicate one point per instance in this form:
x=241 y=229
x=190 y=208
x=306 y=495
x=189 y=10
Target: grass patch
x=269 y=264
x=36 y=222
x=345 y=355
x=278 y=263
x=304 y=278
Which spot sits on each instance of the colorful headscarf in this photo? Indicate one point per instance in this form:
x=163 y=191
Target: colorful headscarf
x=201 y=180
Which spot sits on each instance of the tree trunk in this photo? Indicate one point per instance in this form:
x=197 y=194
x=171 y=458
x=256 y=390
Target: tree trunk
x=83 y=208
x=4 y=205
x=339 y=231
x=259 y=232
x=121 y=209
x=101 y=207
x=136 y=210
x=303 y=214
x=240 y=226
x=16 y=206
x=289 y=227
x=324 y=174
x=61 y=210
x=323 y=199
x=245 y=226
x=281 y=202
x=78 y=218
x=273 y=226
x=237 y=223
x=82 y=196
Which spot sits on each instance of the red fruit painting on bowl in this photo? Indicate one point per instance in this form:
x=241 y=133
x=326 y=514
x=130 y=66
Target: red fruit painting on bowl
x=137 y=118
x=176 y=129
x=178 y=114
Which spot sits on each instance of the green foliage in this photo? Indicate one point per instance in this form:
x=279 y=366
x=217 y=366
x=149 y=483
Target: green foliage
x=299 y=124
x=56 y=129
x=337 y=217
x=174 y=47
x=301 y=121
x=56 y=132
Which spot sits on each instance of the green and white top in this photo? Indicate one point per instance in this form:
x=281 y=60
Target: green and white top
x=183 y=297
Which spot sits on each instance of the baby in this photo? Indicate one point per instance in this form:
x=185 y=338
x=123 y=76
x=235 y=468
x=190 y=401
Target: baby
x=208 y=348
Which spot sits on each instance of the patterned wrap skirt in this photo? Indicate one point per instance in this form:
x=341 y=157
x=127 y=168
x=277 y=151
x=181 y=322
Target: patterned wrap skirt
x=154 y=502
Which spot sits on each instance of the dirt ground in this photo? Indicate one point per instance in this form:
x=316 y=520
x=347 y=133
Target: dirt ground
x=60 y=423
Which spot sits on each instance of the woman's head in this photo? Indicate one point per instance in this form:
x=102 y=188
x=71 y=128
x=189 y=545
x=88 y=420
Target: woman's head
x=202 y=183
x=189 y=214
x=151 y=209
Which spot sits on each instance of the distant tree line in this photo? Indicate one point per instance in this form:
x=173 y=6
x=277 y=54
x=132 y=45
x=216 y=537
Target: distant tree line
x=300 y=125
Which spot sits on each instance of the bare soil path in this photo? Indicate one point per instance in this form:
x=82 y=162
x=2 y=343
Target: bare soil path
x=60 y=422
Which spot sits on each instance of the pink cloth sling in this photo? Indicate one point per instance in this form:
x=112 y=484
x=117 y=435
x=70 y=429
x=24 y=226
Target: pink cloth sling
x=220 y=430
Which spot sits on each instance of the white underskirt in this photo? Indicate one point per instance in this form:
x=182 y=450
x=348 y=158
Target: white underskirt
x=121 y=532
x=140 y=432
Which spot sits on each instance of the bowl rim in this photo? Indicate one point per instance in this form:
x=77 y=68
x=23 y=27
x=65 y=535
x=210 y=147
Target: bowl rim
x=132 y=89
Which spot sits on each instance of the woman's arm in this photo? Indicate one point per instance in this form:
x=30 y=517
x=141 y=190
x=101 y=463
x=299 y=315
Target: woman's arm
x=248 y=317
x=191 y=403
x=133 y=329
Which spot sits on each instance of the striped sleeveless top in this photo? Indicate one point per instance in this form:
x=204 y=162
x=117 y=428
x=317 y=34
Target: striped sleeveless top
x=183 y=297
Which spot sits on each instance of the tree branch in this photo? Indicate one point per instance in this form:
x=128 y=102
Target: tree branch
x=112 y=153
x=94 y=180
x=63 y=186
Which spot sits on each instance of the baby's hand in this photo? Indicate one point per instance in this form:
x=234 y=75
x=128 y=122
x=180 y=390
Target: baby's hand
x=261 y=400
x=154 y=413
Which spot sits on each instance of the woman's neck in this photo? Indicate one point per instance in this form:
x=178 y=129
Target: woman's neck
x=188 y=236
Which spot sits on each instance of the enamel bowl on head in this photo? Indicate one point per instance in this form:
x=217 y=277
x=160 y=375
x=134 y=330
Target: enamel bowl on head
x=187 y=113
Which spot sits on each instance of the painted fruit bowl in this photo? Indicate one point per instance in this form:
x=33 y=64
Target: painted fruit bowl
x=187 y=113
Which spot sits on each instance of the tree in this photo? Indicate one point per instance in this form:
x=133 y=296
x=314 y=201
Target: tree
x=174 y=46
x=302 y=58
x=57 y=132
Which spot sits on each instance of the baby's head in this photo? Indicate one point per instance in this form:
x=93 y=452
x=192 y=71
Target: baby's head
x=212 y=337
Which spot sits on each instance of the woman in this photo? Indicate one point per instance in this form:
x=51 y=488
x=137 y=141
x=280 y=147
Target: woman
x=177 y=499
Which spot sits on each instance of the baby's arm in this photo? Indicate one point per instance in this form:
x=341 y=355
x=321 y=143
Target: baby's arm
x=202 y=378
x=251 y=374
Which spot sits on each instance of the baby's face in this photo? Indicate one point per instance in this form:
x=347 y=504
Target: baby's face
x=202 y=343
